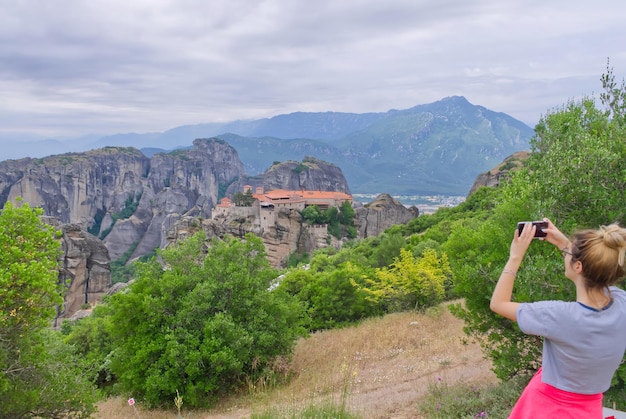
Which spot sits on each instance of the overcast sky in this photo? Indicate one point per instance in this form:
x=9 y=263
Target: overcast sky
x=73 y=67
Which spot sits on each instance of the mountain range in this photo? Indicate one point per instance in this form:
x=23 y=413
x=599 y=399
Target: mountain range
x=432 y=149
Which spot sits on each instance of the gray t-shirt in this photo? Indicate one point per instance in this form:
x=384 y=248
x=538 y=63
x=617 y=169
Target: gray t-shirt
x=582 y=347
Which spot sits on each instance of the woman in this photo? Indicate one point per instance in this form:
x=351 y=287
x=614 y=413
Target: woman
x=584 y=341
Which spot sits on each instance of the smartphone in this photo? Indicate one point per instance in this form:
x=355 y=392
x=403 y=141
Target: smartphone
x=540 y=225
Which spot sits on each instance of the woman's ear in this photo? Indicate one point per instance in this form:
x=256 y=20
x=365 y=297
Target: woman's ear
x=578 y=267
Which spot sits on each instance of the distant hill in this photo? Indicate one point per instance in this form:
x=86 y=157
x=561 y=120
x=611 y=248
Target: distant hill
x=436 y=148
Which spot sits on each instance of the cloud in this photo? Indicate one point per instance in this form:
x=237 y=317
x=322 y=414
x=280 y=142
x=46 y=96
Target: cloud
x=72 y=67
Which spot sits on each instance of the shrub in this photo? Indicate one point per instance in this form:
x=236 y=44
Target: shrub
x=202 y=323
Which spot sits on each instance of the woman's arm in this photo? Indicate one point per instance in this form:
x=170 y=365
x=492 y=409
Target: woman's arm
x=501 y=299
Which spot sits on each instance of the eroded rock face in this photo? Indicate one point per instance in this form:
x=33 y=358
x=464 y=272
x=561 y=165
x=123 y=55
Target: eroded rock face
x=93 y=188
x=289 y=234
x=74 y=187
x=382 y=213
x=85 y=269
x=501 y=172
x=311 y=174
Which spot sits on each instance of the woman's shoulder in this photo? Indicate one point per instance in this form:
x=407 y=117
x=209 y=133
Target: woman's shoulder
x=617 y=292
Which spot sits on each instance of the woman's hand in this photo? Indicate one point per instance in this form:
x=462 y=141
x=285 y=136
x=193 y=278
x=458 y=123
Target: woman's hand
x=554 y=235
x=520 y=242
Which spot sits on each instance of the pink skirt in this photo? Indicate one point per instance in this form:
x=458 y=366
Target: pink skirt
x=540 y=400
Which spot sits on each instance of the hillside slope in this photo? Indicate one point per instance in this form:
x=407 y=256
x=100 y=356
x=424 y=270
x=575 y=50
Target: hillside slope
x=383 y=367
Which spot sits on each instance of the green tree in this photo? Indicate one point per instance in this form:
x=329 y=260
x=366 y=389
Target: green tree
x=346 y=214
x=202 y=322
x=312 y=215
x=578 y=169
x=37 y=377
x=243 y=199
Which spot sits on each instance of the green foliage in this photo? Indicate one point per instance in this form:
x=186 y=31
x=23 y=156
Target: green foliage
x=130 y=206
x=312 y=215
x=351 y=232
x=478 y=204
x=92 y=341
x=296 y=259
x=346 y=214
x=580 y=156
x=387 y=247
x=411 y=283
x=340 y=221
x=343 y=286
x=243 y=199
x=301 y=167
x=32 y=360
x=334 y=298
x=202 y=324
x=28 y=270
x=46 y=381
x=614 y=97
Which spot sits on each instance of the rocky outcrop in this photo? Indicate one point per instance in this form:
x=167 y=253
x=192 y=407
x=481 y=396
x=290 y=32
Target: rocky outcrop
x=500 y=173
x=76 y=187
x=136 y=204
x=122 y=196
x=289 y=234
x=311 y=174
x=85 y=270
x=382 y=213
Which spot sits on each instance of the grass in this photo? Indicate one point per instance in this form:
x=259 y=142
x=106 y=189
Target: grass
x=470 y=401
x=404 y=365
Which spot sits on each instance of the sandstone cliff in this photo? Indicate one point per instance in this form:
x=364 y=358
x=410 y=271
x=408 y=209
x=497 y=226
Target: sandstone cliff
x=311 y=174
x=289 y=234
x=136 y=204
x=75 y=187
x=500 y=173
x=382 y=213
x=85 y=269
x=122 y=196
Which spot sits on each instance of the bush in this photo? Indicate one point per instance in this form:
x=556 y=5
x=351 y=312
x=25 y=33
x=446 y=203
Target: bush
x=201 y=324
